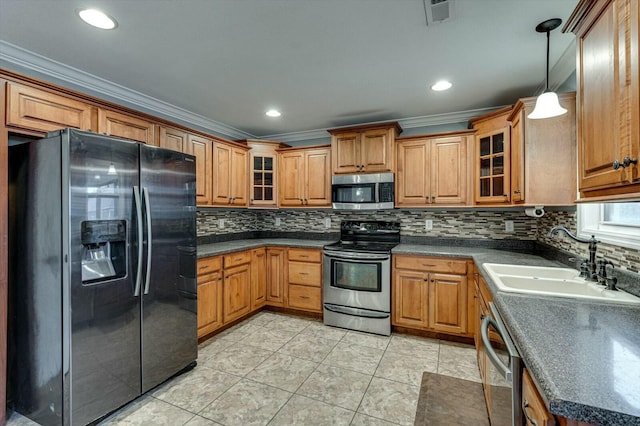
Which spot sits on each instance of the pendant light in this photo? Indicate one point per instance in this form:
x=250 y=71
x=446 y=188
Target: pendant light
x=547 y=104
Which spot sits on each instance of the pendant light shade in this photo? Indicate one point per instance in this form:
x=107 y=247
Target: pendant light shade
x=547 y=104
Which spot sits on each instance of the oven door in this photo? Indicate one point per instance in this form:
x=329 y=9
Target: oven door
x=504 y=373
x=358 y=280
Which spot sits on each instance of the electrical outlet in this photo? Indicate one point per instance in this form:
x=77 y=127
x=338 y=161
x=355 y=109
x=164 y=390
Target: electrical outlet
x=428 y=224
x=221 y=223
x=508 y=226
x=327 y=222
x=277 y=221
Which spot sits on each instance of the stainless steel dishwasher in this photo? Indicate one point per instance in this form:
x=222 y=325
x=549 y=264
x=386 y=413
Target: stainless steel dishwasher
x=504 y=372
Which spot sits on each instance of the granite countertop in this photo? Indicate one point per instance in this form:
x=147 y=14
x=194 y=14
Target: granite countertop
x=583 y=356
x=205 y=250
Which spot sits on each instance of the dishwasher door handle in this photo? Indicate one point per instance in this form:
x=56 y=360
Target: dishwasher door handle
x=504 y=370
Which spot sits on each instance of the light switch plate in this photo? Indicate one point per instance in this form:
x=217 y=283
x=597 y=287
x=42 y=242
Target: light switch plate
x=428 y=224
x=327 y=222
x=277 y=221
x=221 y=223
x=508 y=226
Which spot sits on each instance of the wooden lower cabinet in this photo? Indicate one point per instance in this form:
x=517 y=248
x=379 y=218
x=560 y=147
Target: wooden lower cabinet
x=533 y=408
x=275 y=276
x=209 y=295
x=304 y=279
x=430 y=294
x=258 y=278
x=236 y=292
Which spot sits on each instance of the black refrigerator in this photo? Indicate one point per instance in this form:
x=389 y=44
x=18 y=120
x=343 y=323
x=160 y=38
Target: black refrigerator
x=102 y=273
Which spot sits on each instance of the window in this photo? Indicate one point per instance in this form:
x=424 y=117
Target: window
x=614 y=223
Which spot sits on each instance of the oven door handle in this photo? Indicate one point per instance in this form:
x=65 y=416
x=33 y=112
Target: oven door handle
x=364 y=258
x=504 y=370
x=355 y=311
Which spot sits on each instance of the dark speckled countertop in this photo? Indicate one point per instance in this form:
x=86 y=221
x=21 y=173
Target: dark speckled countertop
x=583 y=356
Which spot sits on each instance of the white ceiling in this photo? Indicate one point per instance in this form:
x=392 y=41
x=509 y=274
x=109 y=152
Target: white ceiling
x=323 y=63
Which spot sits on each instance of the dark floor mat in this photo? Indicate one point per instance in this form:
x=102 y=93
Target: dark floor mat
x=449 y=401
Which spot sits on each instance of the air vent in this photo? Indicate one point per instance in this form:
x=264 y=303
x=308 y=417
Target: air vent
x=437 y=11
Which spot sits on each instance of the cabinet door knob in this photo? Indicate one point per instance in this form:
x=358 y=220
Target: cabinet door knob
x=517 y=191
x=626 y=162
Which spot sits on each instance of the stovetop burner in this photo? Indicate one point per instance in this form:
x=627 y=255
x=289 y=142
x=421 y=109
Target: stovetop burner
x=367 y=236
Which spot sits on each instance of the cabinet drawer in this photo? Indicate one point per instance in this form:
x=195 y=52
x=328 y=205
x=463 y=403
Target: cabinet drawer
x=305 y=255
x=238 y=258
x=305 y=273
x=208 y=265
x=431 y=264
x=304 y=297
x=535 y=412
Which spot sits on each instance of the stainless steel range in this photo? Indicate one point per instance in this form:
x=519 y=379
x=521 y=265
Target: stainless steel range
x=357 y=276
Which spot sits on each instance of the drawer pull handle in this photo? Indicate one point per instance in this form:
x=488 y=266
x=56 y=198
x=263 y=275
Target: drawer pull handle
x=525 y=405
x=303 y=273
x=428 y=264
x=304 y=255
x=304 y=297
x=203 y=267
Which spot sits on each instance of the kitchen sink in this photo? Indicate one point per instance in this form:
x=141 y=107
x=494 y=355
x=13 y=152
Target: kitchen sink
x=550 y=281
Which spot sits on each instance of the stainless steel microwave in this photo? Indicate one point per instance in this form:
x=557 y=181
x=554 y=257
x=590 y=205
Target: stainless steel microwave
x=362 y=192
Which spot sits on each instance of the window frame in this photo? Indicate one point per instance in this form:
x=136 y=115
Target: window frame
x=590 y=222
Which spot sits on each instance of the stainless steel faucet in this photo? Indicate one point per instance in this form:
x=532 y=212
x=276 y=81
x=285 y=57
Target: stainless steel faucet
x=591 y=264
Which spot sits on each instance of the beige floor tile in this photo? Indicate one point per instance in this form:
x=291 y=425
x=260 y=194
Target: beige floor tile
x=149 y=411
x=458 y=361
x=196 y=389
x=201 y=421
x=262 y=319
x=246 y=403
x=289 y=323
x=354 y=357
x=367 y=339
x=17 y=419
x=406 y=369
x=211 y=347
x=415 y=346
x=308 y=347
x=318 y=329
x=303 y=411
x=336 y=386
x=364 y=420
x=238 y=359
x=283 y=371
x=391 y=401
x=268 y=338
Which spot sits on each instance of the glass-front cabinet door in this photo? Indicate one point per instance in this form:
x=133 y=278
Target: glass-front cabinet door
x=263 y=175
x=492 y=167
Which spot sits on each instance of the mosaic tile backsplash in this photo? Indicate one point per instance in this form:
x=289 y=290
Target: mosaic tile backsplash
x=623 y=258
x=461 y=224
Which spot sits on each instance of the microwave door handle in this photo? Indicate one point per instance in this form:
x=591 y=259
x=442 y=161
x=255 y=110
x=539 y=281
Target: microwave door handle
x=504 y=370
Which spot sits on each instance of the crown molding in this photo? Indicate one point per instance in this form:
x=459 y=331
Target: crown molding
x=31 y=61
x=405 y=123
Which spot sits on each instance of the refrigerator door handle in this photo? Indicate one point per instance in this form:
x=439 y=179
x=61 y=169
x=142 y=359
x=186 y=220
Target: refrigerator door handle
x=147 y=205
x=136 y=198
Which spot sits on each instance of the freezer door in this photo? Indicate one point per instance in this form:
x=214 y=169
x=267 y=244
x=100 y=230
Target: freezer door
x=169 y=323
x=105 y=314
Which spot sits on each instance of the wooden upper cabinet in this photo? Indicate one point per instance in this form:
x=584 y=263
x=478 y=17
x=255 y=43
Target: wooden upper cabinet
x=38 y=110
x=173 y=139
x=305 y=177
x=543 y=155
x=201 y=148
x=229 y=175
x=263 y=172
x=608 y=107
x=492 y=158
x=364 y=149
x=432 y=170
x=126 y=126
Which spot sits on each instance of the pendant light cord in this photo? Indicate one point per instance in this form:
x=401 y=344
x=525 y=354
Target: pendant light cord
x=547 y=80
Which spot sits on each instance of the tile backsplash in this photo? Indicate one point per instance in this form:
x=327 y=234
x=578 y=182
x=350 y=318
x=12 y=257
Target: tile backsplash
x=446 y=223
x=470 y=224
x=622 y=257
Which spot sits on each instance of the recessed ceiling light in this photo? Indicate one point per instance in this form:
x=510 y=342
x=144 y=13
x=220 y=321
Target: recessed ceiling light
x=441 y=85
x=273 y=113
x=97 y=19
